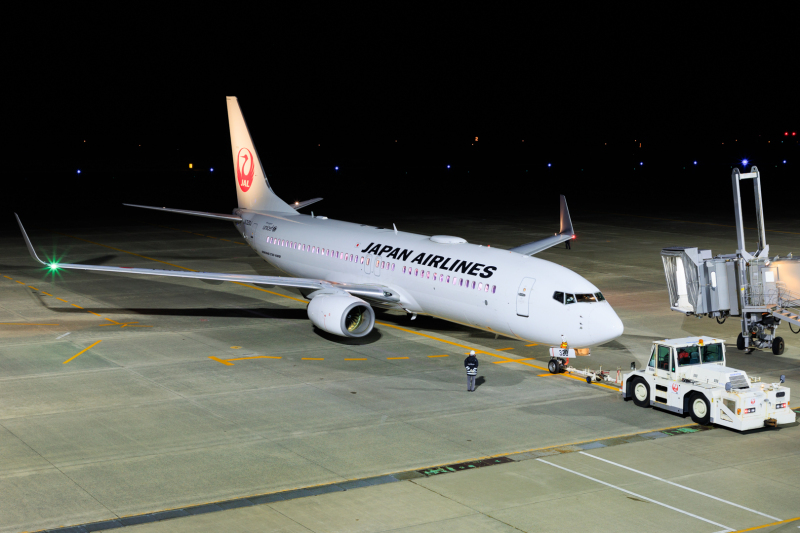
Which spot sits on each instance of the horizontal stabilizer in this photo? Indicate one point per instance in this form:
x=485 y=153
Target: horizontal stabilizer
x=217 y=216
x=378 y=292
x=306 y=203
x=565 y=233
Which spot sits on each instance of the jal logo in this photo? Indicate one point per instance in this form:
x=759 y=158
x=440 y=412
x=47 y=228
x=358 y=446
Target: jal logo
x=245 y=169
x=675 y=387
x=752 y=401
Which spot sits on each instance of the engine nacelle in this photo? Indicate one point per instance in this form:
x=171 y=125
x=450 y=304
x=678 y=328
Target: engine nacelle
x=341 y=314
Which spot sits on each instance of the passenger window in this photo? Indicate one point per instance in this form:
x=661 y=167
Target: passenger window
x=434 y=276
x=460 y=282
x=362 y=261
x=368 y=260
x=559 y=297
x=494 y=289
x=416 y=272
x=480 y=286
x=447 y=280
x=393 y=266
x=428 y=274
x=570 y=299
x=473 y=284
x=486 y=288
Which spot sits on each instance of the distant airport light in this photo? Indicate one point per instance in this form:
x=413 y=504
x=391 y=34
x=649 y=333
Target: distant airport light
x=335 y=168
x=549 y=165
x=784 y=161
x=448 y=166
x=744 y=162
x=79 y=171
x=787 y=133
x=641 y=163
x=695 y=162
x=794 y=133
x=212 y=170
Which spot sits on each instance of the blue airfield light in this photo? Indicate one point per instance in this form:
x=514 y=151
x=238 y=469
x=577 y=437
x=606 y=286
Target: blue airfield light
x=549 y=165
x=79 y=171
x=641 y=163
x=212 y=170
x=744 y=162
x=784 y=161
x=695 y=162
x=448 y=166
x=335 y=168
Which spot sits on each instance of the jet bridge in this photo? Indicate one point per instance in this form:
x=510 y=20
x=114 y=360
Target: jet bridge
x=764 y=292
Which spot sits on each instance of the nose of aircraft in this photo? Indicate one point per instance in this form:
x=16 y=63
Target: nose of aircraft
x=607 y=326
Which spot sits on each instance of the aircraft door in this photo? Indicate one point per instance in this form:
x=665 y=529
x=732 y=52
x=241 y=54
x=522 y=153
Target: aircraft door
x=367 y=265
x=524 y=296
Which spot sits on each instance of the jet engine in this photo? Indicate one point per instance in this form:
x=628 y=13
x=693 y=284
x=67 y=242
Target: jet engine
x=341 y=314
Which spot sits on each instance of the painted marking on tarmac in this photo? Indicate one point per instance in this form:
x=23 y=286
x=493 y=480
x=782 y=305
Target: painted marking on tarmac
x=444 y=355
x=768 y=525
x=503 y=349
x=25 y=324
x=227 y=362
x=63 y=335
x=726 y=528
x=32 y=287
x=82 y=351
x=680 y=486
x=312 y=358
x=391 y=358
x=534 y=344
x=8 y=277
x=62 y=299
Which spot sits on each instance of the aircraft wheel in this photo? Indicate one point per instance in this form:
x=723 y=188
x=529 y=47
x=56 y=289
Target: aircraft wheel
x=553 y=366
x=777 y=346
x=740 y=342
x=641 y=393
x=700 y=410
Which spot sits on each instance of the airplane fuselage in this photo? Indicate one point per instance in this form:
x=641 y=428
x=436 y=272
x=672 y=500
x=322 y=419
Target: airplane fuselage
x=495 y=290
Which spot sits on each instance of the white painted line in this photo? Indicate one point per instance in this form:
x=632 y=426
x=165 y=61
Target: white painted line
x=64 y=335
x=681 y=486
x=638 y=495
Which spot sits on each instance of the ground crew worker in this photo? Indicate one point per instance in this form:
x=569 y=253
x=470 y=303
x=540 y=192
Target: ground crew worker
x=471 y=364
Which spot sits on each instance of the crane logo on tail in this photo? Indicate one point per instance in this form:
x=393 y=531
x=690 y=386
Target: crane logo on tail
x=245 y=169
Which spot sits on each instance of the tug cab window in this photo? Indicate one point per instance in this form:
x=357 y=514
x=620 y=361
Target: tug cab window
x=663 y=358
x=711 y=353
x=688 y=355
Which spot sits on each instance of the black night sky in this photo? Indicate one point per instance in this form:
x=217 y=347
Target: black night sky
x=392 y=96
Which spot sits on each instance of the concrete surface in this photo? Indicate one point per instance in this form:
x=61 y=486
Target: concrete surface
x=146 y=420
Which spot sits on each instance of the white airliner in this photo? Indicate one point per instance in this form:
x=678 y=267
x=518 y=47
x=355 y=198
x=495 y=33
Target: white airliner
x=345 y=269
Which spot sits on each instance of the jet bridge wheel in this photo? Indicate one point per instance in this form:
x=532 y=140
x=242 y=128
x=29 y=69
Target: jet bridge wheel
x=700 y=409
x=740 y=342
x=777 y=346
x=641 y=392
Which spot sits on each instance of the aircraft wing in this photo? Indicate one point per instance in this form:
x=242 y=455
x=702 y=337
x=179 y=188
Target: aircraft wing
x=378 y=292
x=216 y=216
x=564 y=234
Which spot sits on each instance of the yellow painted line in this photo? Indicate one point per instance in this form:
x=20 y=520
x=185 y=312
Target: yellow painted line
x=254 y=357
x=445 y=355
x=25 y=324
x=95 y=314
x=513 y=361
x=8 y=277
x=766 y=525
x=503 y=349
x=46 y=293
x=534 y=344
x=62 y=299
x=200 y=234
x=359 y=359
x=218 y=360
x=546 y=375
x=592 y=383
x=114 y=321
x=32 y=287
x=271 y=292
x=392 y=358
x=82 y=351
x=19 y=282
x=312 y=358
x=75 y=305
x=236 y=347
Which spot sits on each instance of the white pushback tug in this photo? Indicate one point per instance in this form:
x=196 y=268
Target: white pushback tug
x=690 y=375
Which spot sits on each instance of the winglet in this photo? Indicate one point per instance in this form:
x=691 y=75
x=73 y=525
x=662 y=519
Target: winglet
x=28 y=241
x=566 y=221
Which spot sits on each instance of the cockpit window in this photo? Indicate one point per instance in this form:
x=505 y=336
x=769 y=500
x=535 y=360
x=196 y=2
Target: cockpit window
x=600 y=297
x=558 y=296
x=585 y=298
x=570 y=299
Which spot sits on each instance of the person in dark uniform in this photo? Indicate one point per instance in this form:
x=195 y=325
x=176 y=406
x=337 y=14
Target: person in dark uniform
x=471 y=364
